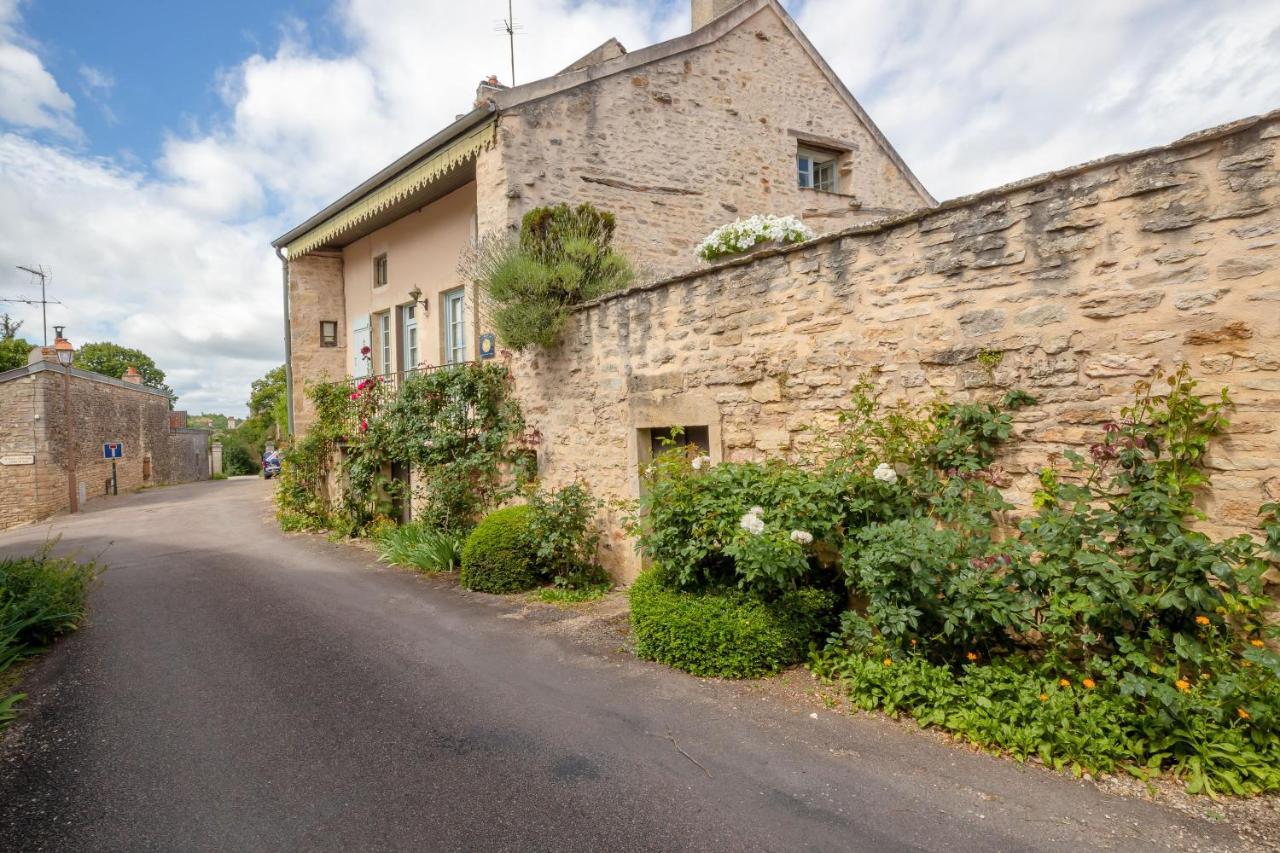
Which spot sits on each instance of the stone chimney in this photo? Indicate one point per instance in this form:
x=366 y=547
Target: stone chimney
x=706 y=11
x=132 y=376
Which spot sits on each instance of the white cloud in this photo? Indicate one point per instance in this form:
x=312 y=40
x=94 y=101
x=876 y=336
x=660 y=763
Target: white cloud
x=977 y=93
x=174 y=258
x=29 y=95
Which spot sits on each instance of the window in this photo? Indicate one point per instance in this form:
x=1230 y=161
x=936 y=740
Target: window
x=328 y=333
x=661 y=439
x=380 y=271
x=816 y=170
x=384 y=342
x=455 y=326
x=408 y=336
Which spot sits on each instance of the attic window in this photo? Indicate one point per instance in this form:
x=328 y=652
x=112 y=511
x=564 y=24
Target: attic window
x=816 y=169
x=380 y=271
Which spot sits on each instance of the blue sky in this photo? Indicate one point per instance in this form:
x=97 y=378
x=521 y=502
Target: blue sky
x=149 y=151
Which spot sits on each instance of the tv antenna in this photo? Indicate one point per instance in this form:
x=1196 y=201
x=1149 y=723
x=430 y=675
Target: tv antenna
x=44 y=302
x=510 y=27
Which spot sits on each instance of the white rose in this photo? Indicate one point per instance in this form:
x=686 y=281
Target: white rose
x=884 y=473
x=700 y=461
x=757 y=511
x=802 y=537
x=753 y=524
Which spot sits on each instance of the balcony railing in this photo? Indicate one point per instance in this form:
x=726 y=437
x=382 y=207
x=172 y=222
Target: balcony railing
x=392 y=380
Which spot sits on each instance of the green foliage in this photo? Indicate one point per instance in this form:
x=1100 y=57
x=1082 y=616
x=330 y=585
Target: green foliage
x=420 y=547
x=1106 y=587
x=114 y=360
x=41 y=598
x=562 y=257
x=13 y=353
x=499 y=554
x=238 y=458
x=575 y=594
x=726 y=633
x=562 y=528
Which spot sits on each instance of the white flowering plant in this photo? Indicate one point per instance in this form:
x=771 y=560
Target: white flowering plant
x=744 y=234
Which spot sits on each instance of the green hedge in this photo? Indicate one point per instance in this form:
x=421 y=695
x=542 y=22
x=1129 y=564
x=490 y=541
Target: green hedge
x=726 y=633
x=499 y=555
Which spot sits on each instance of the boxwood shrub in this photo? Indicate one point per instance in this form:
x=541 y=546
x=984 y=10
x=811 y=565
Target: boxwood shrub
x=726 y=633
x=500 y=555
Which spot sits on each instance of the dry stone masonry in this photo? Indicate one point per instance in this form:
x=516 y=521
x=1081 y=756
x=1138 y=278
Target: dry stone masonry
x=1071 y=285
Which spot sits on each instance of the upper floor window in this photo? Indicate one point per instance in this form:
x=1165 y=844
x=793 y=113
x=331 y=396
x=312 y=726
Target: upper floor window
x=380 y=271
x=455 y=326
x=328 y=333
x=816 y=169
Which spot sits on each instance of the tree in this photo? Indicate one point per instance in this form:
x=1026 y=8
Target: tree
x=113 y=360
x=13 y=353
x=9 y=327
x=268 y=412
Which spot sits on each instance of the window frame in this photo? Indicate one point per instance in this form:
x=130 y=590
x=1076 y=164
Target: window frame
x=453 y=338
x=329 y=339
x=381 y=275
x=820 y=167
x=385 y=361
x=409 y=339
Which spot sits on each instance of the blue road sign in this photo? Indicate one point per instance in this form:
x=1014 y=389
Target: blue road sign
x=112 y=450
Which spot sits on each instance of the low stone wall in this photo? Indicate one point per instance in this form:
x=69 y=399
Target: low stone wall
x=1078 y=282
x=35 y=445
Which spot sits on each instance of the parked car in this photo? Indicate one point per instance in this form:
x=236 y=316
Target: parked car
x=270 y=464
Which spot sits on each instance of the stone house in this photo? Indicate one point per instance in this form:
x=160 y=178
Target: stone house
x=740 y=116
x=1070 y=285
x=36 y=435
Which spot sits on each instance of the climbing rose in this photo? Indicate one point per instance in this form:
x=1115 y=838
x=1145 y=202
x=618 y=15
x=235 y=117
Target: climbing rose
x=365 y=350
x=364 y=425
x=884 y=473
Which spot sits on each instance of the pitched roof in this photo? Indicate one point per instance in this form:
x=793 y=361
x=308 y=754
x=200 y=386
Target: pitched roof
x=584 y=71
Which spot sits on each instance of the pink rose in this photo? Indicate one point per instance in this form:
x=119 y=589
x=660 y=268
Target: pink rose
x=365 y=350
x=355 y=395
x=364 y=426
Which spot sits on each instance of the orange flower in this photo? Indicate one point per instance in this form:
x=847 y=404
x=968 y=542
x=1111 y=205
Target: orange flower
x=1044 y=697
x=1202 y=620
x=1183 y=685
x=1257 y=644
x=1089 y=684
x=972 y=656
x=1244 y=715
x=888 y=662
x=1064 y=683
x=913 y=641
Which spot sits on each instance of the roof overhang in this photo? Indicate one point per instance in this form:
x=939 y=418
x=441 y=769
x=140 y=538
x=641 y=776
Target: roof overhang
x=438 y=166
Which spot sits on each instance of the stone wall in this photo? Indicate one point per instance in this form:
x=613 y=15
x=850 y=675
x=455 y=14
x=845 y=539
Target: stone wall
x=1079 y=282
x=683 y=145
x=315 y=294
x=35 y=445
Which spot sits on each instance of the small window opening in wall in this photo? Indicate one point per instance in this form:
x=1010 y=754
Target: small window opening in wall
x=380 y=271
x=328 y=333
x=816 y=169
x=662 y=438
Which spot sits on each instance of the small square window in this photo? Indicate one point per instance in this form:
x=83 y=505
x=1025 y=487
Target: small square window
x=665 y=438
x=380 y=271
x=328 y=333
x=816 y=170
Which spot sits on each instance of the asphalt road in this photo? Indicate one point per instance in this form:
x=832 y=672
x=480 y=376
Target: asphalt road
x=239 y=689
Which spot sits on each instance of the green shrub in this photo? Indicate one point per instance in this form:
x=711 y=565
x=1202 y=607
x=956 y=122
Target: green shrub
x=563 y=256
x=41 y=598
x=419 y=547
x=562 y=525
x=499 y=555
x=729 y=633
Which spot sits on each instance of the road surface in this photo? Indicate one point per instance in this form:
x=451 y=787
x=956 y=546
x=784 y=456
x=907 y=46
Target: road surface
x=240 y=689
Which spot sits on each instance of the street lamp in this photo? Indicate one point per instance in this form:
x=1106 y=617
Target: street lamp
x=66 y=353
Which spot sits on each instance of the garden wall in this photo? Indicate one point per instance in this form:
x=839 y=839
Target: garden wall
x=1071 y=285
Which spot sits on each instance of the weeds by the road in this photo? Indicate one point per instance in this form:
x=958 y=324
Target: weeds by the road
x=41 y=598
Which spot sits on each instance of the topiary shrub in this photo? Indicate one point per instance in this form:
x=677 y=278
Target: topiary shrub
x=499 y=555
x=725 y=633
